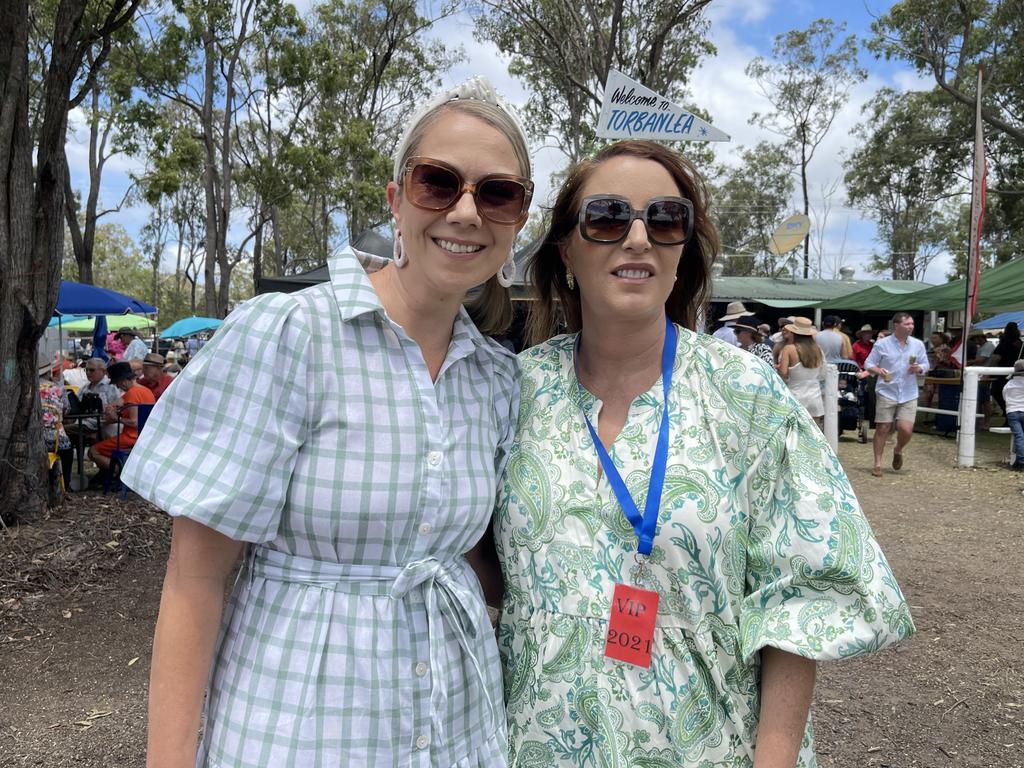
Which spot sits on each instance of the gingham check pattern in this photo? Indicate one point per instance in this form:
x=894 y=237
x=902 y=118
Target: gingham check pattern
x=360 y=483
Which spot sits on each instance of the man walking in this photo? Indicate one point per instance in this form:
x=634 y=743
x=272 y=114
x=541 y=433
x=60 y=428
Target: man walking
x=897 y=361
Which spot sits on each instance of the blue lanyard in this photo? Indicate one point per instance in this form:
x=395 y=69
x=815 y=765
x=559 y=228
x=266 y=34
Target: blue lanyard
x=647 y=525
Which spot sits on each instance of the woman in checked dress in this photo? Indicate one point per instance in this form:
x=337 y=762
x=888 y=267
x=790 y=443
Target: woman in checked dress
x=357 y=477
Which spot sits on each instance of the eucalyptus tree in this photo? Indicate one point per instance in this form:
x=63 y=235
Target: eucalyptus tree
x=808 y=80
x=563 y=50
x=39 y=86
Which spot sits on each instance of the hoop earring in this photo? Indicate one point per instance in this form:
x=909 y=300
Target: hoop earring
x=569 y=280
x=507 y=273
x=401 y=258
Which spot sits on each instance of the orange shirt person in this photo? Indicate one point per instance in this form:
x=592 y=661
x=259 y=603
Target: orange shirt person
x=134 y=394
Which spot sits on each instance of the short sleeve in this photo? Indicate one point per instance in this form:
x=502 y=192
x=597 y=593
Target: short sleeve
x=221 y=444
x=817 y=583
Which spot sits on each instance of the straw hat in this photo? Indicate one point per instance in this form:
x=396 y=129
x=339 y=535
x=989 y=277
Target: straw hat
x=44 y=364
x=128 y=332
x=733 y=310
x=866 y=328
x=802 y=326
x=153 y=359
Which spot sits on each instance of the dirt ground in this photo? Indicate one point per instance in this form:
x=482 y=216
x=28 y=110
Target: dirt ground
x=79 y=593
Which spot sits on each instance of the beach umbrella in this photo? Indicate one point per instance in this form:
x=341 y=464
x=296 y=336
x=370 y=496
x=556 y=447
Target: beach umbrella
x=82 y=299
x=189 y=326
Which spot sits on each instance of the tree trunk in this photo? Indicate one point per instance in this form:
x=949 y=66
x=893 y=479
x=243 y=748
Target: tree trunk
x=32 y=237
x=210 y=170
x=807 y=203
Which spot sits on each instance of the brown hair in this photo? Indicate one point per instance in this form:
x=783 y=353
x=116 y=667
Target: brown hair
x=692 y=288
x=808 y=351
x=491 y=308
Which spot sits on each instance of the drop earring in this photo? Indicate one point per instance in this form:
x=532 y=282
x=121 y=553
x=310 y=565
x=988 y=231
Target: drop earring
x=507 y=273
x=401 y=259
x=569 y=279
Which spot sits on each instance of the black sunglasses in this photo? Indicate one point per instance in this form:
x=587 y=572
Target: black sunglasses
x=607 y=219
x=433 y=185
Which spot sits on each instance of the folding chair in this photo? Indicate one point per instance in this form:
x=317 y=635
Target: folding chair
x=120 y=455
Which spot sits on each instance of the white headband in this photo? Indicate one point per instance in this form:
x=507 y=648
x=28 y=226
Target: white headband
x=477 y=88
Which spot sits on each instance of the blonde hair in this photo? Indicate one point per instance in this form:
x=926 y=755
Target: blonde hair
x=808 y=351
x=491 y=309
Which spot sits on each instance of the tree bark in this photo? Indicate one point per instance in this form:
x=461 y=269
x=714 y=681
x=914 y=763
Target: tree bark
x=32 y=234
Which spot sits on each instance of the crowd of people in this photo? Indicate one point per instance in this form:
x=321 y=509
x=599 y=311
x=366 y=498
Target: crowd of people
x=102 y=395
x=894 y=360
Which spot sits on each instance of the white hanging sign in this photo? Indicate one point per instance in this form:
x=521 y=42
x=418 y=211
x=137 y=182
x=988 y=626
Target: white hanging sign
x=633 y=111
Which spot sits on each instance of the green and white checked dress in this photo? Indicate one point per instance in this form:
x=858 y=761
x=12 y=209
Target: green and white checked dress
x=761 y=542
x=357 y=635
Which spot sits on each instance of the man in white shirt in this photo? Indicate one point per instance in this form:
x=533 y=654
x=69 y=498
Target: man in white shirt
x=897 y=361
x=733 y=311
x=135 y=348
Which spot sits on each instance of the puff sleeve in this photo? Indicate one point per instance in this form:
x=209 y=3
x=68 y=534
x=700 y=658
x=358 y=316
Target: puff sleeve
x=817 y=583
x=222 y=442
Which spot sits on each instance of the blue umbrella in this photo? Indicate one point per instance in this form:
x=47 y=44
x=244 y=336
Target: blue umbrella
x=190 y=325
x=99 y=338
x=82 y=299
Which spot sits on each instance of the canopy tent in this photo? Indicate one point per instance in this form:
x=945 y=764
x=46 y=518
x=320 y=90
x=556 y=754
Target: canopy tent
x=1000 y=289
x=868 y=300
x=114 y=323
x=82 y=299
x=189 y=326
x=999 y=322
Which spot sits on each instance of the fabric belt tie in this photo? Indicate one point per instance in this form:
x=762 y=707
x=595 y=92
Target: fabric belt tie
x=446 y=599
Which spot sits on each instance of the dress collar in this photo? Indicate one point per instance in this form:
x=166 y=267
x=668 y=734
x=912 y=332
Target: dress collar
x=354 y=293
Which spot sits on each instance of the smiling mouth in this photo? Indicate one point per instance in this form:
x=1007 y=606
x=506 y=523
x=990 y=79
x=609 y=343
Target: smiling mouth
x=451 y=247
x=632 y=274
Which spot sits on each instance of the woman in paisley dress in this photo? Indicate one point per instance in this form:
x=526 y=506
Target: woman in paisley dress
x=761 y=560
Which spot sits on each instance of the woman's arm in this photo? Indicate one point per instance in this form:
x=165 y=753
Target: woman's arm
x=784 y=360
x=186 y=630
x=787 y=685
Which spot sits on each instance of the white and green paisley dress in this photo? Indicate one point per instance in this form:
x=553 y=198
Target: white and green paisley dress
x=760 y=542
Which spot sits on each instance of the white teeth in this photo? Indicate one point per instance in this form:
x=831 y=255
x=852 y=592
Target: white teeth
x=456 y=248
x=633 y=274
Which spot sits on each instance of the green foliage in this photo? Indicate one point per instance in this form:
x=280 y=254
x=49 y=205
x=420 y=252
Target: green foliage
x=118 y=263
x=748 y=204
x=949 y=42
x=901 y=172
x=563 y=52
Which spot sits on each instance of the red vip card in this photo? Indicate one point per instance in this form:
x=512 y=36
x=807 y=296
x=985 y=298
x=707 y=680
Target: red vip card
x=631 y=625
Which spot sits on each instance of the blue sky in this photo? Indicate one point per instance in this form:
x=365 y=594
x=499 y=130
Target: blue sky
x=740 y=29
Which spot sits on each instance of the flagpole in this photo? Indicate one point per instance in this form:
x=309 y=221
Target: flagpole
x=978 y=184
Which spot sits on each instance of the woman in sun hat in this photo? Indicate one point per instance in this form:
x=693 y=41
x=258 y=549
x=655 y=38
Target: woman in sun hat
x=656 y=466
x=361 y=476
x=802 y=366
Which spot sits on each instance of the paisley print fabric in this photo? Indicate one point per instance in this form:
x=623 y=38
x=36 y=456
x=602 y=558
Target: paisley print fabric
x=760 y=542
